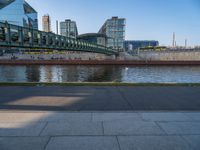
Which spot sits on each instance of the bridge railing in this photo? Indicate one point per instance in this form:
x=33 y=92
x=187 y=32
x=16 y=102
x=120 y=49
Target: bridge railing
x=22 y=37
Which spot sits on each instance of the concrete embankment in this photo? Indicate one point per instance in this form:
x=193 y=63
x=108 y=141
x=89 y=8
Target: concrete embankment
x=170 y=55
x=94 y=62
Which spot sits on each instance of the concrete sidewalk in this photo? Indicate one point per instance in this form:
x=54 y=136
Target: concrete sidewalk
x=100 y=98
x=99 y=130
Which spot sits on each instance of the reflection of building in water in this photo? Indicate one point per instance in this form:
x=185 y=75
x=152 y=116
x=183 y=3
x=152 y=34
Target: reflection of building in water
x=57 y=74
x=100 y=74
x=116 y=73
x=73 y=74
x=33 y=73
x=79 y=73
x=12 y=73
x=46 y=74
x=52 y=74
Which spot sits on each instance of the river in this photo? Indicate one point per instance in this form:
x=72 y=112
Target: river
x=131 y=74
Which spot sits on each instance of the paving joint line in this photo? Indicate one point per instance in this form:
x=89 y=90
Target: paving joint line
x=124 y=98
x=43 y=128
x=157 y=123
x=186 y=141
x=118 y=142
x=47 y=143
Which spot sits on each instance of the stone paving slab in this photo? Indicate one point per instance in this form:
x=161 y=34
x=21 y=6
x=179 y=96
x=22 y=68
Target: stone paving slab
x=83 y=143
x=99 y=117
x=73 y=128
x=100 y=130
x=21 y=129
x=67 y=117
x=131 y=127
x=180 y=128
x=23 y=143
x=153 y=143
x=166 y=116
x=7 y=117
x=194 y=141
x=27 y=117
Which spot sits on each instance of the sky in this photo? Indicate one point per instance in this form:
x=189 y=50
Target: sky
x=145 y=19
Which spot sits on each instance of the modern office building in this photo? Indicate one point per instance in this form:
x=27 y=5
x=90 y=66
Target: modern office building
x=18 y=12
x=46 y=23
x=114 y=28
x=135 y=45
x=68 y=28
x=96 y=38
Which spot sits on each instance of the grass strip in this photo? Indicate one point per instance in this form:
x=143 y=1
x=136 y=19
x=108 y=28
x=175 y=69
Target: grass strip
x=94 y=84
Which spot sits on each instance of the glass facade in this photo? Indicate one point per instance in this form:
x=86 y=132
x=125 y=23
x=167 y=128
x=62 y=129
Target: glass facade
x=135 y=45
x=95 y=38
x=18 y=12
x=4 y=3
x=68 y=28
x=114 y=28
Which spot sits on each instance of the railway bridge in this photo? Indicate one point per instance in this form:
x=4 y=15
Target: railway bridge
x=12 y=36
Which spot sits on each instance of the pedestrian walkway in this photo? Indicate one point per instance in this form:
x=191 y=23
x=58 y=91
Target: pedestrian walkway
x=123 y=130
x=100 y=98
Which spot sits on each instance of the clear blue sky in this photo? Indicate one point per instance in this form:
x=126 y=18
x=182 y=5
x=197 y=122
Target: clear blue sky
x=145 y=19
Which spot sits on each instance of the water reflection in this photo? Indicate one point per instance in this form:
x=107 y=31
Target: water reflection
x=144 y=74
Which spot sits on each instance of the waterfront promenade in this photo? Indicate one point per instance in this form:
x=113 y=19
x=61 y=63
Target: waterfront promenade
x=100 y=98
x=100 y=118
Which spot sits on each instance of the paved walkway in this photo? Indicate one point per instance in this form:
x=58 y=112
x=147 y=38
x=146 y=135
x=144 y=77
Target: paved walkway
x=99 y=118
x=100 y=131
x=89 y=98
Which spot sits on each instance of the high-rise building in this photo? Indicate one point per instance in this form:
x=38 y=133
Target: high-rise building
x=68 y=28
x=114 y=28
x=18 y=12
x=46 y=23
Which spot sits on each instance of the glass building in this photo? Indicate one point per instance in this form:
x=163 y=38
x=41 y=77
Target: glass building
x=68 y=28
x=18 y=12
x=114 y=28
x=95 y=38
x=135 y=45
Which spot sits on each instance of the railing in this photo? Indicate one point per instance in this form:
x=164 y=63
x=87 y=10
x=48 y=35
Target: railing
x=22 y=37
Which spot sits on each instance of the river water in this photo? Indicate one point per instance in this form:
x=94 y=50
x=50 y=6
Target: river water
x=131 y=74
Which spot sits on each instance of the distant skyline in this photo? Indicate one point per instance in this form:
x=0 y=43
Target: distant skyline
x=145 y=19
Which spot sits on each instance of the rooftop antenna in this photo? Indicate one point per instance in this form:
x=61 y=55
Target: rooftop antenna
x=186 y=43
x=174 y=40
